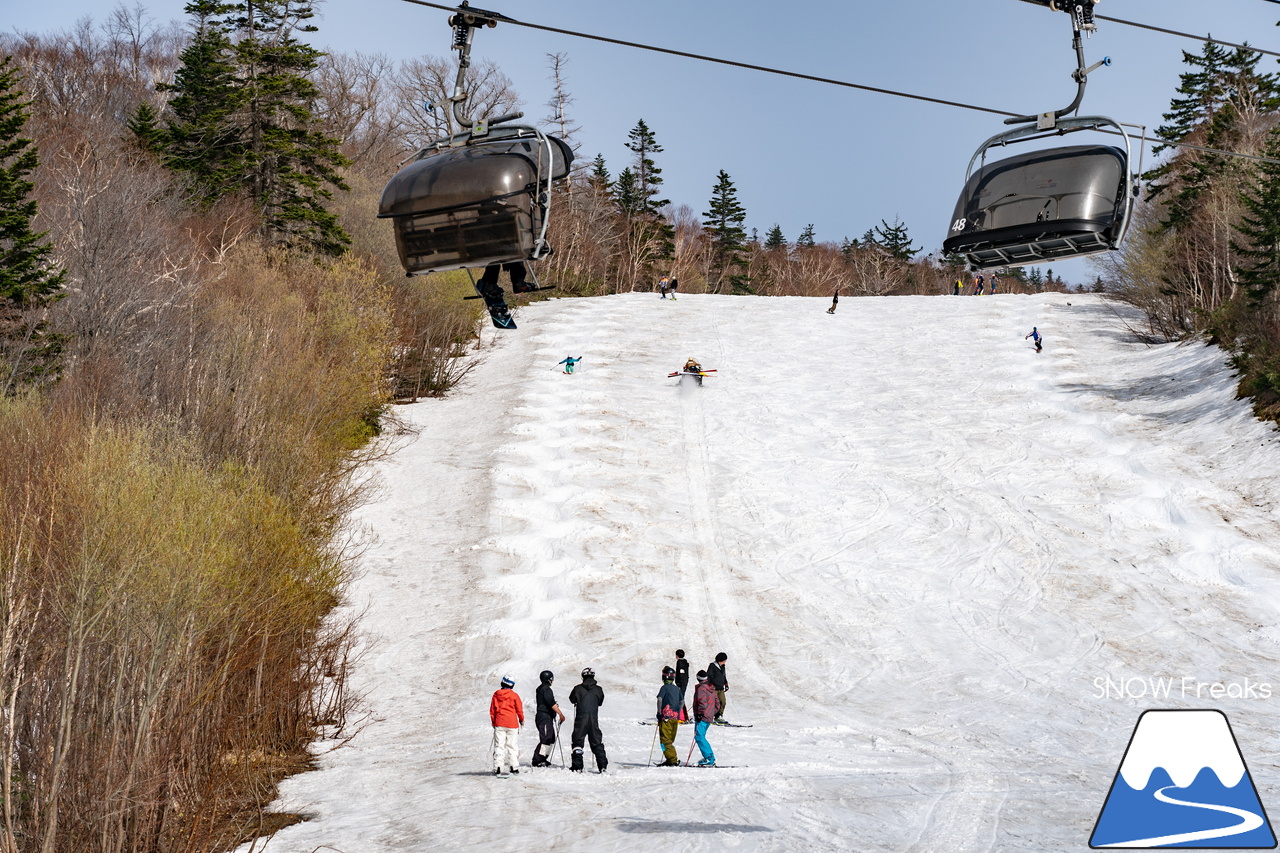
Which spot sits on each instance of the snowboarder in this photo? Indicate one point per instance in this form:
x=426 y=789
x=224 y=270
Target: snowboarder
x=706 y=708
x=544 y=718
x=587 y=698
x=1035 y=336
x=570 y=362
x=669 y=717
x=682 y=681
x=675 y=283
x=835 y=300
x=492 y=293
x=663 y=284
x=506 y=712
x=977 y=285
x=720 y=681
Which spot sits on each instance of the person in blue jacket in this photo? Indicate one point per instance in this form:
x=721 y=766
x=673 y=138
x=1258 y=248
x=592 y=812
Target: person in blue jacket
x=570 y=362
x=669 y=717
x=1035 y=336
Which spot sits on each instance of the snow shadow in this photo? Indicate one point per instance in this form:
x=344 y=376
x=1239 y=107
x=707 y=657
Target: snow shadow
x=642 y=826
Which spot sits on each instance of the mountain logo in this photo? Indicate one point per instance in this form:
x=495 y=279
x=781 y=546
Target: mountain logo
x=1183 y=783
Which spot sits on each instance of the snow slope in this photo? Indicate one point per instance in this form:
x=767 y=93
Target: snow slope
x=922 y=545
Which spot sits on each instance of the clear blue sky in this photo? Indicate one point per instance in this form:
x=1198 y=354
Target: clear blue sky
x=799 y=152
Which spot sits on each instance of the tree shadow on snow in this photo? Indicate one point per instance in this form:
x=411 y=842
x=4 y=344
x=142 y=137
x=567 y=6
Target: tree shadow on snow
x=642 y=826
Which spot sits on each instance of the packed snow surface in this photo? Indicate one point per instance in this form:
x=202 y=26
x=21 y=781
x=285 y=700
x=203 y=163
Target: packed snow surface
x=949 y=573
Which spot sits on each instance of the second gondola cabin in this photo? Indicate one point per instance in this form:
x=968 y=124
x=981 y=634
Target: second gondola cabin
x=1043 y=205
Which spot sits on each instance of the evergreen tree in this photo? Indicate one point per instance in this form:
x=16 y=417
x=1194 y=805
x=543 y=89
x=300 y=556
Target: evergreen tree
x=774 y=239
x=724 y=220
x=642 y=143
x=144 y=123
x=28 y=279
x=599 y=178
x=203 y=140
x=625 y=193
x=1260 y=227
x=895 y=240
x=806 y=239
x=243 y=121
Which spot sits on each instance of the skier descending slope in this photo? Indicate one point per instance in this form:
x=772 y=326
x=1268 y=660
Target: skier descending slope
x=544 y=718
x=587 y=698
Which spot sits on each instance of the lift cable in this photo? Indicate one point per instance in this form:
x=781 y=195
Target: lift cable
x=1176 y=32
x=483 y=15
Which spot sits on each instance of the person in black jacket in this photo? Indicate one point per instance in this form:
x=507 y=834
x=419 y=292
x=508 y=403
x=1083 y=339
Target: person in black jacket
x=587 y=698
x=682 y=681
x=716 y=675
x=548 y=710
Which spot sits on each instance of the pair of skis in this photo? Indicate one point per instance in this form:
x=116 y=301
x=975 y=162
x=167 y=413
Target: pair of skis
x=691 y=373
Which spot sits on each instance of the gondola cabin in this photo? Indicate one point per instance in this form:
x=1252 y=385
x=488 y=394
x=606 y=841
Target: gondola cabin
x=1041 y=206
x=474 y=203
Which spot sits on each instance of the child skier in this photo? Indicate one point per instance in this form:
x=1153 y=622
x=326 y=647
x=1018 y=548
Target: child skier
x=547 y=711
x=570 y=362
x=706 y=708
x=669 y=717
x=682 y=682
x=506 y=712
x=1035 y=336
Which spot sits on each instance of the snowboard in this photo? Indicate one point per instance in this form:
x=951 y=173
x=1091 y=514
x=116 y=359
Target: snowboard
x=498 y=311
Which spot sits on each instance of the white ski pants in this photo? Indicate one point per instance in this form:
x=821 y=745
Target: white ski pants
x=505 y=748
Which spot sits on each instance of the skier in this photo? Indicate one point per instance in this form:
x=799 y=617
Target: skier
x=1035 y=336
x=675 y=283
x=570 y=362
x=492 y=293
x=663 y=284
x=506 y=712
x=587 y=697
x=995 y=282
x=691 y=366
x=706 y=708
x=977 y=285
x=682 y=681
x=956 y=290
x=835 y=300
x=545 y=720
x=720 y=680
x=669 y=717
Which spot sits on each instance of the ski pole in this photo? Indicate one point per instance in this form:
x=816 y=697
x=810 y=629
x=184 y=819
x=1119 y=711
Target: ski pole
x=560 y=743
x=691 y=743
x=652 y=745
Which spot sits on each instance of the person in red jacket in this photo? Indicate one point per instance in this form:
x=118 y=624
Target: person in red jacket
x=706 y=708
x=506 y=712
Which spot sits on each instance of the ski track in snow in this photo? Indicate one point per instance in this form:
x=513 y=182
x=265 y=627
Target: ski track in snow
x=919 y=542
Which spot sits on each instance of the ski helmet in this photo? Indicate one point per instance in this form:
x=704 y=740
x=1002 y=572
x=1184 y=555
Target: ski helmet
x=702 y=676
x=588 y=673
x=546 y=676
x=668 y=672
x=508 y=681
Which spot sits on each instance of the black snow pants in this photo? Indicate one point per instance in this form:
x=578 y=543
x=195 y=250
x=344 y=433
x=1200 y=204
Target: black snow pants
x=584 y=729
x=546 y=739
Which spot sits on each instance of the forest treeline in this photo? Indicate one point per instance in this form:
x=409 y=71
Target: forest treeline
x=1203 y=254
